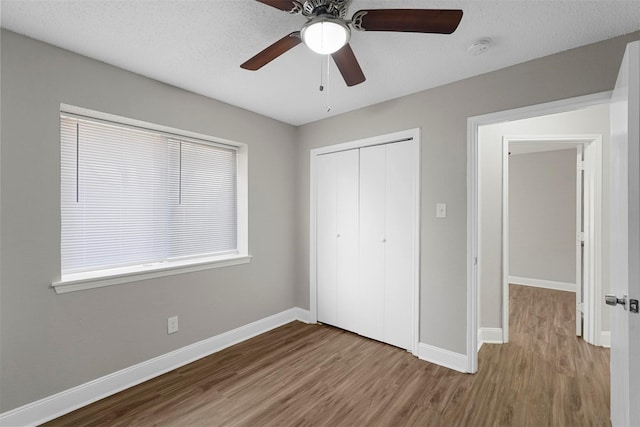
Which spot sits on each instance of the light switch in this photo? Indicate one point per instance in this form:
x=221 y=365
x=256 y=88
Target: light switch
x=441 y=210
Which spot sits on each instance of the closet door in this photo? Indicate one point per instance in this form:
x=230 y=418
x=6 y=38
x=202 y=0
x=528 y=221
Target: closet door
x=399 y=255
x=387 y=209
x=337 y=238
x=372 y=242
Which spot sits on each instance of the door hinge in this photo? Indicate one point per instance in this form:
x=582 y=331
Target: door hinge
x=581 y=165
x=580 y=236
x=580 y=307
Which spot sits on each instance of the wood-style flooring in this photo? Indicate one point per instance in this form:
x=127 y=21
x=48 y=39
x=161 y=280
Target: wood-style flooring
x=314 y=375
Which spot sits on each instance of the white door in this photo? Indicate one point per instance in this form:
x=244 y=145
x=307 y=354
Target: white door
x=337 y=238
x=387 y=209
x=372 y=241
x=399 y=221
x=347 y=189
x=625 y=241
x=326 y=238
x=579 y=240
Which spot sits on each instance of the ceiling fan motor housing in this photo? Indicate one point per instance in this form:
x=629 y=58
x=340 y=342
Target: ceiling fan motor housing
x=335 y=8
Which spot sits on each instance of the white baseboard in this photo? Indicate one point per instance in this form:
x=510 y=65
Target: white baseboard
x=489 y=336
x=540 y=283
x=51 y=407
x=301 y=314
x=448 y=359
x=605 y=339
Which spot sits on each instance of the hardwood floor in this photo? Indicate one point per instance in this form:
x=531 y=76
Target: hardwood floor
x=314 y=375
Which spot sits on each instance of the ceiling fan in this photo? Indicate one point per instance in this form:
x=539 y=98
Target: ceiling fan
x=327 y=30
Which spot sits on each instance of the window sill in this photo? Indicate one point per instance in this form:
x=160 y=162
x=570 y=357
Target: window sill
x=117 y=276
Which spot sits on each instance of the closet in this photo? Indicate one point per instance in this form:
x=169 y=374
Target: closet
x=366 y=225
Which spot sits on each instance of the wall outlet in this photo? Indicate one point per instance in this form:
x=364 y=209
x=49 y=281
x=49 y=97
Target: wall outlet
x=441 y=210
x=172 y=325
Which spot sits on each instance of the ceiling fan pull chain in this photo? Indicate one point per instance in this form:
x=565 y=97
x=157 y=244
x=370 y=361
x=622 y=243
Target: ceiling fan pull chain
x=328 y=83
x=321 y=75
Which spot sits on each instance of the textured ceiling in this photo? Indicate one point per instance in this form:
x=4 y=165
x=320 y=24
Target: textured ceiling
x=199 y=45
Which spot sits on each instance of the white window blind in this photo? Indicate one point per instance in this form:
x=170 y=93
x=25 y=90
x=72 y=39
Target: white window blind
x=131 y=197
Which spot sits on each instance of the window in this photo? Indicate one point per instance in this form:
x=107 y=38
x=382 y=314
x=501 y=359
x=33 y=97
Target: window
x=138 y=200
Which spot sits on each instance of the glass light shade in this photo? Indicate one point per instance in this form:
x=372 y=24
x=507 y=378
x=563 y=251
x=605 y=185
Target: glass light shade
x=325 y=36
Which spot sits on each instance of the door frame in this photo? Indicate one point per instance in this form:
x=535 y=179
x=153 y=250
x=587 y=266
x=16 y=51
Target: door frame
x=591 y=223
x=473 y=125
x=405 y=135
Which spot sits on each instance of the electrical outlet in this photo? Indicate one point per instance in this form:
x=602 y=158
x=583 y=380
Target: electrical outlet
x=172 y=325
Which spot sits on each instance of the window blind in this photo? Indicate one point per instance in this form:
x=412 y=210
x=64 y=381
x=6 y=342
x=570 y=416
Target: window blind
x=133 y=197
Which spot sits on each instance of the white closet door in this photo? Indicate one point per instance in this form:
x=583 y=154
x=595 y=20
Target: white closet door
x=399 y=257
x=372 y=242
x=347 y=208
x=326 y=238
x=337 y=239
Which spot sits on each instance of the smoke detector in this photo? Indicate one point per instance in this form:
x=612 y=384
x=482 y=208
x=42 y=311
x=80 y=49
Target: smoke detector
x=479 y=46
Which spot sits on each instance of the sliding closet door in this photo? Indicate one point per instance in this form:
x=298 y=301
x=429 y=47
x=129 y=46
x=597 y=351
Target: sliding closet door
x=337 y=239
x=399 y=257
x=372 y=241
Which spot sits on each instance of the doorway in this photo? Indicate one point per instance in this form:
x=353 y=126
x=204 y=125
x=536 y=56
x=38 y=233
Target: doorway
x=560 y=240
x=475 y=254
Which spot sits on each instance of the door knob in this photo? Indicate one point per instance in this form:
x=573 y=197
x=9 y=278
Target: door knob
x=614 y=300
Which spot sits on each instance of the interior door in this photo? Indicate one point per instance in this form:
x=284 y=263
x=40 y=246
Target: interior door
x=372 y=241
x=337 y=238
x=579 y=241
x=347 y=189
x=399 y=220
x=327 y=241
x=625 y=241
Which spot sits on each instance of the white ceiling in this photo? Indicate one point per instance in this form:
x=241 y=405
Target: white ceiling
x=199 y=45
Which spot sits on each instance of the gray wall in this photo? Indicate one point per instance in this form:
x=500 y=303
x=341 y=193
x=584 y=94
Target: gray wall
x=441 y=114
x=592 y=120
x=51 y=342
x=542 y=215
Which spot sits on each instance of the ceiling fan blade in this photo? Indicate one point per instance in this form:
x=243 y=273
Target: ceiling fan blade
x=441 y=21
x=272 y=52
x=348 y=65
x=291 y=6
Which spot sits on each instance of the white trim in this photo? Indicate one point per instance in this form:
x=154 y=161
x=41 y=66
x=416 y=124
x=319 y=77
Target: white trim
x=442 y=357
x=489 y=336
x=505 y=239
x=413 y=134
x=593 y=217
x=117 y=276
x=96 y=279
x=473 y=237
x=473 y=124
x=580 y=166
x=169 y=131
x=605 y=339
x=301 y=315
x=367 y=142
x=541 y=283
x=64 y=402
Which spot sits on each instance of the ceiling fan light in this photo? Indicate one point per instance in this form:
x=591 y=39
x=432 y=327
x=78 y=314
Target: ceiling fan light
x=325 y=35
